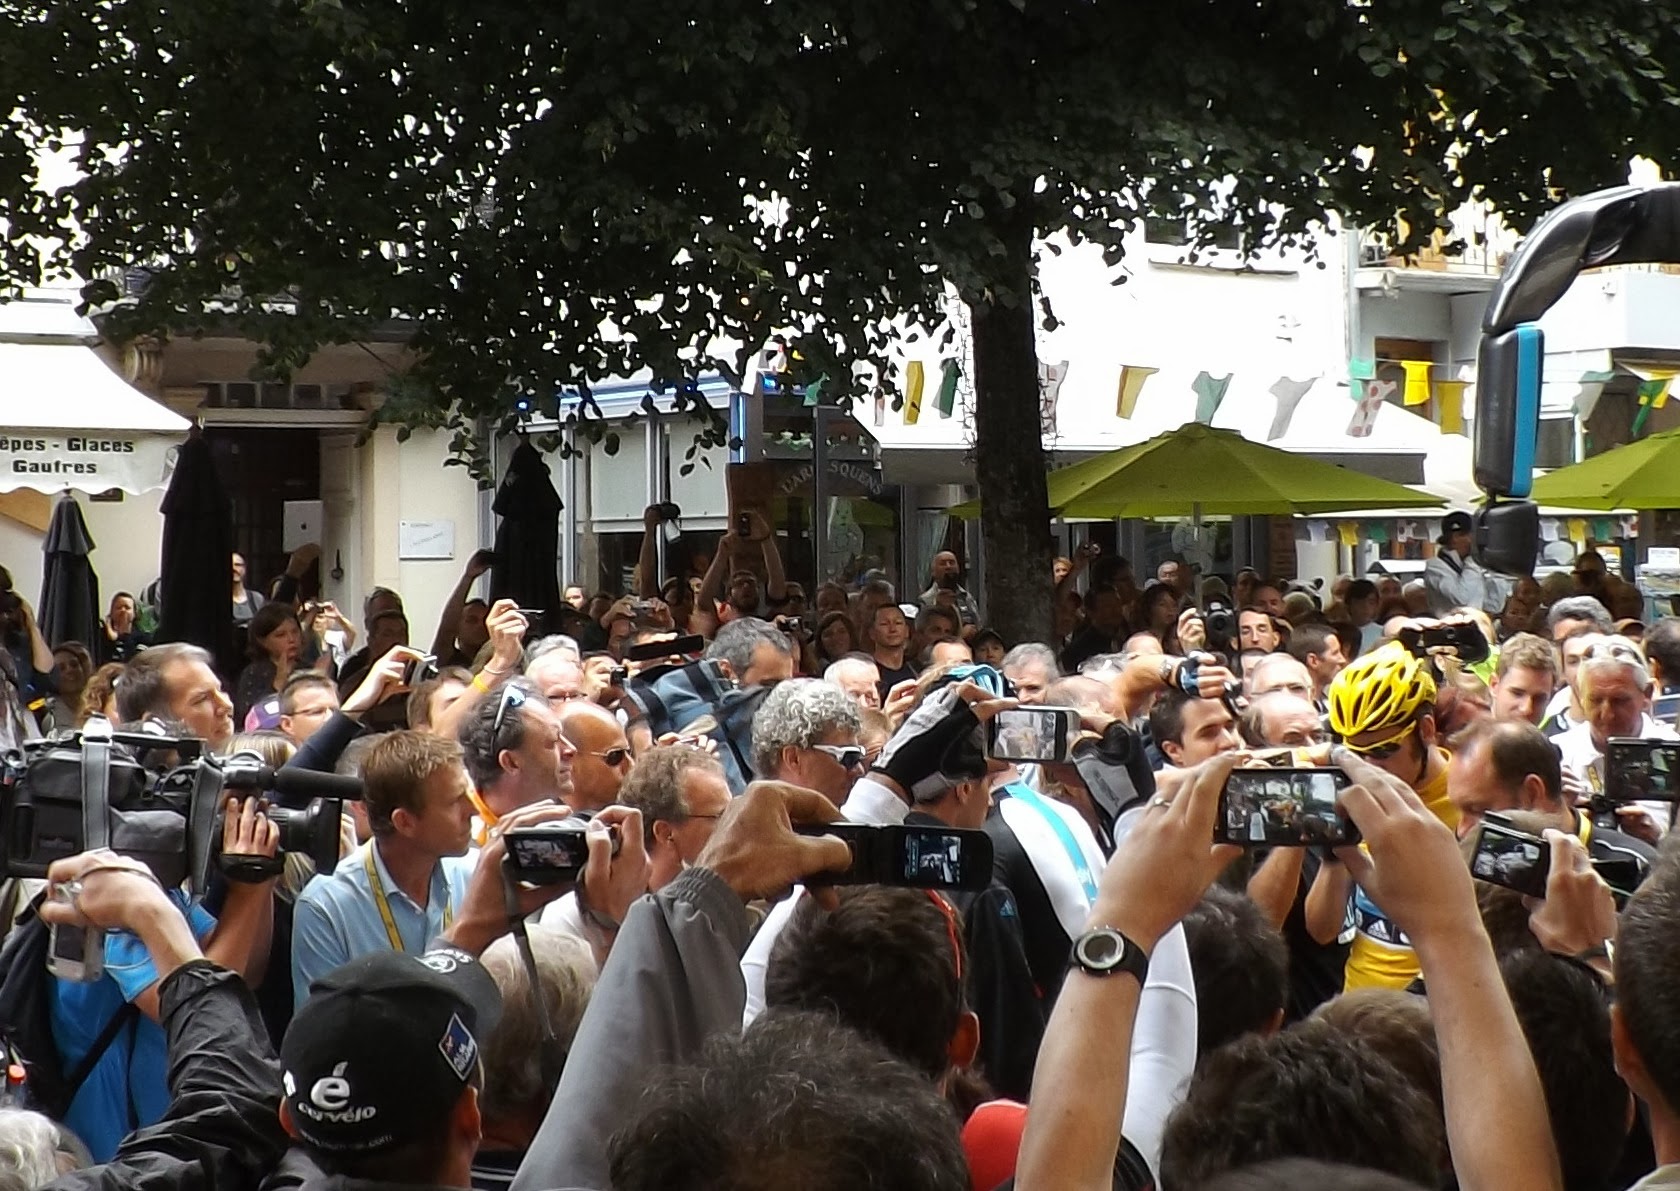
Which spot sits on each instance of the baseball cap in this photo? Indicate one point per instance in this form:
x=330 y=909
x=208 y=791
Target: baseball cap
x=1456 y=521
x=379 y=1053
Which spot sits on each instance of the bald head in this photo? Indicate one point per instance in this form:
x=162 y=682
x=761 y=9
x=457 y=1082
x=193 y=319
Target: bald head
x=603 y=754
x=1279 y=672
x=1287 y=720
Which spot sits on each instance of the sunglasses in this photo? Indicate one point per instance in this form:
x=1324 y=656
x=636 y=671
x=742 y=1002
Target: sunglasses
x=849 y=756
x=511 y=696
x=613 y=757
x=1383 y=749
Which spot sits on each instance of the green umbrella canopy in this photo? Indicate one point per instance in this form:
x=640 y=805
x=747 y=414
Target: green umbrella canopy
x=1639 y=475
x=1198 y=470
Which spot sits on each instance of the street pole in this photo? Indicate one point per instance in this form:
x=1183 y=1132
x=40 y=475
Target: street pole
x=819 y=510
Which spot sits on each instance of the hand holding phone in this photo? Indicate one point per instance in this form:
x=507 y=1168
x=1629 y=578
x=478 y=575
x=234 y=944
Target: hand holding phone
x=1641 y=770
x=1041 y=735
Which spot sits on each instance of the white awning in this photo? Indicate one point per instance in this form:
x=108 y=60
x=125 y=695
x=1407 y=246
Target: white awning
x=68 y=421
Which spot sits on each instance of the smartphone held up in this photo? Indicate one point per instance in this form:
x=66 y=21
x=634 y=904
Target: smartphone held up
x=909 y=855
x=1040 y=735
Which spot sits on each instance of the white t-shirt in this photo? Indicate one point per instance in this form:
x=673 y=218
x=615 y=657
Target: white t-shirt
x=1583 y=758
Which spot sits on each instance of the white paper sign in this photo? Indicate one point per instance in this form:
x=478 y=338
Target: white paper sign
x=425 y=539
x=1664 y=557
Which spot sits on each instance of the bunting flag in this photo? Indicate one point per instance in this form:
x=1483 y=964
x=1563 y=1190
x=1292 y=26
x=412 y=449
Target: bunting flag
x=1654 y=391
x=946 y=401
x=913 y=380
x=1373 y=394
x=1210 y=391
x=1050 y=378
x=1131 y=384
x=1360 y=371
x=1592 y=388
x=1549 y=529
x=1449 y=400
x=813 y=391
x=1577 y=529
x=1348 y=532
x=1288 y=393
x=1417 y=382
x=1603 y=531
x=1377 y=532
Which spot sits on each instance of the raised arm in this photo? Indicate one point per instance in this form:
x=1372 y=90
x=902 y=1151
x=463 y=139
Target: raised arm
x=775 y=582
x=1275 y=883
x=711 y=586
x=647 y=558
x=1414 y=870
x=449 y=620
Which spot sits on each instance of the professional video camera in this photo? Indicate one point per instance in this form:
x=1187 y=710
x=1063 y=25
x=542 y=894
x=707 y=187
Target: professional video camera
x=158 y=799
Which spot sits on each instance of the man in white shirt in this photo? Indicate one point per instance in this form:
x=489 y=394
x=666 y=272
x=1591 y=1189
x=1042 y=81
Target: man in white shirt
x=1615 y=694
x=1453 y=579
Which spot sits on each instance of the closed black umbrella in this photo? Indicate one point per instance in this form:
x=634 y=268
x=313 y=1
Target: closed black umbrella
x=528 y=538
x=196 y=575
x=69 y=608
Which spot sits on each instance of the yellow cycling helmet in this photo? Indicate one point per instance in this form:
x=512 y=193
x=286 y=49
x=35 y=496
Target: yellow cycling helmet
x=1383 y=689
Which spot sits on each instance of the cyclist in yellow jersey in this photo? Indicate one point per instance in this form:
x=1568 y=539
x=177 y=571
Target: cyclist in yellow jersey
x=1383 y=708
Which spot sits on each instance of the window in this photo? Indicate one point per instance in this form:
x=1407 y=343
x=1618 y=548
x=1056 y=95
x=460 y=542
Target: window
x=1175 y=233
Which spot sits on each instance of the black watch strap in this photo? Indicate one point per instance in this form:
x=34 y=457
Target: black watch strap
x=1104 y=951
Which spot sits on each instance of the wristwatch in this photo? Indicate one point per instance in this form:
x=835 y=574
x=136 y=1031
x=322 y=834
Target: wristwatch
x=1103 y=951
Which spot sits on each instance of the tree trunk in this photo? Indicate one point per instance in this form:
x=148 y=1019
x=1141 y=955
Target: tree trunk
x=1009 y=450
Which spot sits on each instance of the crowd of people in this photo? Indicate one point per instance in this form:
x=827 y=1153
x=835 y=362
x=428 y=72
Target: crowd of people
x=1127 y=1002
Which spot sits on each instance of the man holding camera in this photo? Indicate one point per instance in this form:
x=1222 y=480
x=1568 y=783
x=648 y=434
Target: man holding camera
x=403 y=887
x=116 y=1016
x=1615 y=688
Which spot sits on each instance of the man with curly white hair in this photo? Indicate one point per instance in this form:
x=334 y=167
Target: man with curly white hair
x=35 y=1150
x=806 y=733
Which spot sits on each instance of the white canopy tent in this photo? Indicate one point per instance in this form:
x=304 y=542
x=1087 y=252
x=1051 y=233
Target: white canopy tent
x=68 y=421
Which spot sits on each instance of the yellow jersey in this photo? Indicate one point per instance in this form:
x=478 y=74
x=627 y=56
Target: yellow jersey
x=1382 y=956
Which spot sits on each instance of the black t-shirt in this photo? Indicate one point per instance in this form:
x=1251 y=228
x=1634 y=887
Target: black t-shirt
x=1315 y=970
x=891 y=678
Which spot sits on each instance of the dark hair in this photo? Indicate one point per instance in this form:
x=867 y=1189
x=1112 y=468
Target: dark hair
x=1396 y=1025
x=654 y=784
x=1308 y=1092
x=1166 y=718
x=925 y=658
x=1360 y=589
x=1515 y=749
x=1561 y=1007
x=395 y=768
x=852 y=638
x=938 y=612
x=1648 y=971
x=1241 y=968
x=1291 y=1174
x=797 y=1101
x=888 y=963
x=1662 y=646
x=298 y=683
x=482 y=741
x=268 y=618
x=141 y=691
x=1309 y=639
x=418 y=707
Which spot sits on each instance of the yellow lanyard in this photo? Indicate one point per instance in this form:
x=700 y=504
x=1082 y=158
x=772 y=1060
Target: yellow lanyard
x=385 y=906
x=486 y=818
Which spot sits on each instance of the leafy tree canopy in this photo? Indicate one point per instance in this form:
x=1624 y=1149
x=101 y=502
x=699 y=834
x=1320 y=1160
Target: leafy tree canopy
x=516 y=177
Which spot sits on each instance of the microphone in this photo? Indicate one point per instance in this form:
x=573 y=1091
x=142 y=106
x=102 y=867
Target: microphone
x=291 y=782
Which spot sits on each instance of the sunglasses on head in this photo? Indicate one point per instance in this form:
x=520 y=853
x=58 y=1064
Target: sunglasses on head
x=511 y=696
x=848 y=756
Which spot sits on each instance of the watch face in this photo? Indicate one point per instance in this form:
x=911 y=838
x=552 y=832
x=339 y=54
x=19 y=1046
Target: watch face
x=1101 y=949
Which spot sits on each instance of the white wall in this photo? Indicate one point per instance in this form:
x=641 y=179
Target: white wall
x=409 y=482
x=20 y=553
x=127 y=537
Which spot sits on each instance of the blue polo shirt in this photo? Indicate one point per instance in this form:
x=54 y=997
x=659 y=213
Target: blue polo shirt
x=338 y=918
x=129 y=1087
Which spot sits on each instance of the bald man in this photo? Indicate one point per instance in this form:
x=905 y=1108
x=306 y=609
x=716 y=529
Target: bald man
x=603 y=754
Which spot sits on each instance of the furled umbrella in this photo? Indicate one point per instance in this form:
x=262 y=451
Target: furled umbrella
x=69 y=608
x=528 y=537
x=196 y=575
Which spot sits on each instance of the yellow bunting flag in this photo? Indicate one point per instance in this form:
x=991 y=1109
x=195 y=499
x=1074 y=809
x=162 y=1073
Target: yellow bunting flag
x=1577 y=529
x=1417 y=382
x=1131 y=384
x=913 y=380
x=1449 y=400
x=1348 y=532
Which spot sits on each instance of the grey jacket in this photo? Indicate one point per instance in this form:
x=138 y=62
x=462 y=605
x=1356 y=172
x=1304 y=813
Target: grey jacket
x=673 y=980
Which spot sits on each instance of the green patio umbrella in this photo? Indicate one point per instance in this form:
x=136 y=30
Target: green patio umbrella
x=1639 y=475
x=1197 y=471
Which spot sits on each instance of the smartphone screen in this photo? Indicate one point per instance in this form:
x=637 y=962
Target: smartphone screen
x=1284 y=808
x=1642 y=770
x=72 y=956
x=940 y=858
x=1511 y=858
x=1036 y=734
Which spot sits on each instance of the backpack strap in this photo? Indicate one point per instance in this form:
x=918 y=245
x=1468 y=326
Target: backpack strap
x=96 y=784
x=129 y=1014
